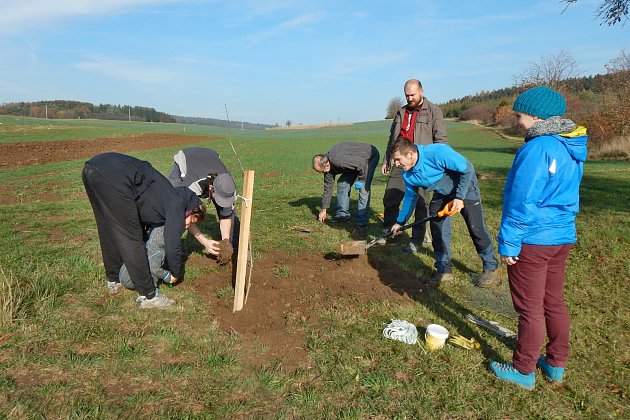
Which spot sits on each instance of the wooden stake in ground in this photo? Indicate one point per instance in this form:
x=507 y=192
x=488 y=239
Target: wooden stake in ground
x=243 y=240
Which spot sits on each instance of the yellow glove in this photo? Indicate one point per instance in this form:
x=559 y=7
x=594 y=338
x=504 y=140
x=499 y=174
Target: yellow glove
x=465 y=343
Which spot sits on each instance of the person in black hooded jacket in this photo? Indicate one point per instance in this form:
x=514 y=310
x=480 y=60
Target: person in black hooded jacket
x=127 y=196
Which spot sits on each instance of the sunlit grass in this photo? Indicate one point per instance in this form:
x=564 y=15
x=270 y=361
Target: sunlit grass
x=71 y=351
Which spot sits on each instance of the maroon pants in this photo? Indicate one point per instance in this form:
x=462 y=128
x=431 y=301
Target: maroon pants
x=536 y=283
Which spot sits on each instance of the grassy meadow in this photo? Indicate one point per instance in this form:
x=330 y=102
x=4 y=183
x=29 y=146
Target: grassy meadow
x=66 y=346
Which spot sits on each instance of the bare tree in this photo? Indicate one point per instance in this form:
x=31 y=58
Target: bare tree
x=393 y=106
x=551 y=71
x=619 y=64
x=610 y=12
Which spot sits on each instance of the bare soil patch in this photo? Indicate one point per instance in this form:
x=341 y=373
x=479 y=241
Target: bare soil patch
x=13 y=155
x=289 y=294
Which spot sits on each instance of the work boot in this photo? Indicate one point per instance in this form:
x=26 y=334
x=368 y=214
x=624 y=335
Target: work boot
x=551 y=373
x=487 y=279
x=507 y=372
x=437 y=278
x=413 y=247
x=113 y=287
x=158 y=301
x=359 y=232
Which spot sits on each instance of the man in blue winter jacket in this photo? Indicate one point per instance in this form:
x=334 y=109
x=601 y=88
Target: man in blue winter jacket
x=451 y=177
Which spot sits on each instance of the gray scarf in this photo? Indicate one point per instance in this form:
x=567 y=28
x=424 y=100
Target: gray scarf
x=553 y=125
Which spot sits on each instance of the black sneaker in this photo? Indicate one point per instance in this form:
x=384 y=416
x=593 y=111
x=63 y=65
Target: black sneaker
x=359 y=232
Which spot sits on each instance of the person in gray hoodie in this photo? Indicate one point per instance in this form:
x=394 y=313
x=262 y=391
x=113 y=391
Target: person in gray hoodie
x=202 y=171
x=355 y=163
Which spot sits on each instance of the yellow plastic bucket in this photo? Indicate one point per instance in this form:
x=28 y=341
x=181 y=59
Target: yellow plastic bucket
x=435 y=336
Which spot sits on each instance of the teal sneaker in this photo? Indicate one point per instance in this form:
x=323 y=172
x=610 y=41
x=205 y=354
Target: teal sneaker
x=507 y=372
x=551 y=373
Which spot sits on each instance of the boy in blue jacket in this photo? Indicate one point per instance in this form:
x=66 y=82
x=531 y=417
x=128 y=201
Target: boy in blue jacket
x=541 y=201
x=451 y=177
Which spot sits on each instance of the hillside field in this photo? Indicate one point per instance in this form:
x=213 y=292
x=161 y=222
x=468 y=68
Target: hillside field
x=308 y=343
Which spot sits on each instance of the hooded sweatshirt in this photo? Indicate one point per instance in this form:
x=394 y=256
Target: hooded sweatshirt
x=441 y=169
x=541 y=194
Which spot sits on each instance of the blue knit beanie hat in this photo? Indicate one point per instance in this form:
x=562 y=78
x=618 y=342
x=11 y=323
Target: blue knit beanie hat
x=540 y=102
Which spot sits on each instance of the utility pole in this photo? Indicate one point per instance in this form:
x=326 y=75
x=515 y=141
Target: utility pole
x=46 y=111
x=130 y=114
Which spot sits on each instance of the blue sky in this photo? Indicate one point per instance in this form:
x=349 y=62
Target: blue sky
x=271 y=61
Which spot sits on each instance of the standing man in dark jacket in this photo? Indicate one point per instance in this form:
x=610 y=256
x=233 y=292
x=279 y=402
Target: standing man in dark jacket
x=353 y=162
x=127 y=196
x=420 y=122
x=201 y=170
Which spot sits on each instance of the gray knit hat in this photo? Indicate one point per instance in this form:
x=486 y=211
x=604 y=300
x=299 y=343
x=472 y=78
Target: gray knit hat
x=541 y=102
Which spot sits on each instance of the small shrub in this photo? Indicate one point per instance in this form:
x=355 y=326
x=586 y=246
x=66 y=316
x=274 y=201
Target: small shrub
x=483 y=113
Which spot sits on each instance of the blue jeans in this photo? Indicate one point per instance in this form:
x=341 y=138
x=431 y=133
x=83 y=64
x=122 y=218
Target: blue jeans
x=344 y=184
x=442 y=234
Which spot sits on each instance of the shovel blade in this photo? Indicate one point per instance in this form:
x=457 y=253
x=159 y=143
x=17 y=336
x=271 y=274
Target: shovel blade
x=352 y=248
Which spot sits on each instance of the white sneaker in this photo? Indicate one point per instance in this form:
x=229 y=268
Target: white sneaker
x=159 y=301
x=412 y=247
x=113 y=288
x=383 y=241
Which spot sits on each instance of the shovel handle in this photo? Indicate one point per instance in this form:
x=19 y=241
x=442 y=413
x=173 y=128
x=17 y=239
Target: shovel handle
x=442 y=213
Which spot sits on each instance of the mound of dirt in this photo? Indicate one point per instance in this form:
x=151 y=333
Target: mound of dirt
x=288 y=294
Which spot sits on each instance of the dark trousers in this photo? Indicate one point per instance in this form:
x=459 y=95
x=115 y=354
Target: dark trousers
x=441 y=233
x=394 y=194
x=537 y=283
x=120 y=231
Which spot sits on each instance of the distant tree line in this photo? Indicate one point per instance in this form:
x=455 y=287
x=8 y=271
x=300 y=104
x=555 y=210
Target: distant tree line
x=221 y=123
x=500 y=97
x=62 y=109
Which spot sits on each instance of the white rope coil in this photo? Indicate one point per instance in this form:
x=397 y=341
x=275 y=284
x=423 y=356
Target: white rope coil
x=401 y=330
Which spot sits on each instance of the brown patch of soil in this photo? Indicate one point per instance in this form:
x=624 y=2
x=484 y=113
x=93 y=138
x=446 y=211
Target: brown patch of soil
x=14 y=155
x=288 y=295
x=36 y=377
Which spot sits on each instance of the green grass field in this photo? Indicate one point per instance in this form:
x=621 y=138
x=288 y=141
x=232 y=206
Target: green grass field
x=68 y=349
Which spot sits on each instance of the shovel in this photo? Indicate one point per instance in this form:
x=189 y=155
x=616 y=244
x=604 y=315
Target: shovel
x=361 y=247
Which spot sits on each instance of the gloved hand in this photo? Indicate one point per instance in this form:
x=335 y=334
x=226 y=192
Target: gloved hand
x=358 y=185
